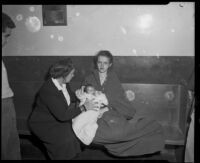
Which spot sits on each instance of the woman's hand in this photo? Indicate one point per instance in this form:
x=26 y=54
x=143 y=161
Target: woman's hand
x=91 y=105
x=80 y=93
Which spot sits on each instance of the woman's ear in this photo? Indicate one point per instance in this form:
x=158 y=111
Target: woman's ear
x=110 y=64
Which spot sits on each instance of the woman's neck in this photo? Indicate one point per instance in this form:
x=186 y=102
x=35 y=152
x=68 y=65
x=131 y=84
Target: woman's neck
x=102 y=77
x=103 y=73
x=60 y=81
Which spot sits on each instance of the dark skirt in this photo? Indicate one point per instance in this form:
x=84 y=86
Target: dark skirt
x=59 y=139
x=121 y=137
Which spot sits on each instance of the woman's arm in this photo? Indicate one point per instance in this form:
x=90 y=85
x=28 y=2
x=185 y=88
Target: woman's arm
x=117 y=98
x=58 y=107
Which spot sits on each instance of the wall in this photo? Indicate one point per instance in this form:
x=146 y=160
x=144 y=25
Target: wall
x=26 y=74
x=150 y=44
x=131 y=30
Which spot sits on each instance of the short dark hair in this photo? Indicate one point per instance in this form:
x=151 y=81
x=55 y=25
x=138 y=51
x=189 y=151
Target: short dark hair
x=7 y=22
x=86 y=87
x=104 y=53
x=61 y=68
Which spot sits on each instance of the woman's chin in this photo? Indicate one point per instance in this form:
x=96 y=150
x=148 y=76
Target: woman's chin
x=102 y=71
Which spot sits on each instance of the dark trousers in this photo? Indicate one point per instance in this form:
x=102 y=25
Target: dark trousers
x=10 y=144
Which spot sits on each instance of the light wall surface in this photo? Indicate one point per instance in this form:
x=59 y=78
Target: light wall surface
x=125 y=30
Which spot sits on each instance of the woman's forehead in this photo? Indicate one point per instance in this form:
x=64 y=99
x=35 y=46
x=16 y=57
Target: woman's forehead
x=103 y=59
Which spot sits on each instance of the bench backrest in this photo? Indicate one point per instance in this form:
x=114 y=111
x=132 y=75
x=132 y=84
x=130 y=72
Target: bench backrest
x=166 y=103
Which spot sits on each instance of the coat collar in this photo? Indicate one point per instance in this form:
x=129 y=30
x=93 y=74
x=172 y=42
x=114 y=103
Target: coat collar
x=96 y=75
x=58 y=86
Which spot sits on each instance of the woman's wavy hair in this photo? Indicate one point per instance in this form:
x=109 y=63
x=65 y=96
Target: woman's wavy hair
x=61 y=68
x=104 y=53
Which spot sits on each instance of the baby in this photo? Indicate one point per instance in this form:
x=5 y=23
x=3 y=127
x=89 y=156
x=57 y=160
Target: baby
x=91 y=94
x=85 y=124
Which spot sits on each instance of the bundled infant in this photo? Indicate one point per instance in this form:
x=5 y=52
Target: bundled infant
x=85 y=125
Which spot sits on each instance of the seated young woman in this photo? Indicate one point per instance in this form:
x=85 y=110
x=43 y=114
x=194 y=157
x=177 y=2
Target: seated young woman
x=120 y=130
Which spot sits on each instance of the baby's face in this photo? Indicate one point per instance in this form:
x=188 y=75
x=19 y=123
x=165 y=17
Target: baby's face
x=90 y=90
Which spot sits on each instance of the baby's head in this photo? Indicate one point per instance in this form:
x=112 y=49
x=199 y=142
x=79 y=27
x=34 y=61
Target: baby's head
x=89 y=89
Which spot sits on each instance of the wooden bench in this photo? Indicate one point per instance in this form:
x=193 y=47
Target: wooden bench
x=166 y=103
x=169 y=105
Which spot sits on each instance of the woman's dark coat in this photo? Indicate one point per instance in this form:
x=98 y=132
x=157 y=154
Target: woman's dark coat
x=121 y=130
x=51 y=120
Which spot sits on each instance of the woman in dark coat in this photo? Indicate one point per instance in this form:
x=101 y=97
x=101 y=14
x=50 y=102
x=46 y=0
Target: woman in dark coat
x=51 y=119
x=121 y=130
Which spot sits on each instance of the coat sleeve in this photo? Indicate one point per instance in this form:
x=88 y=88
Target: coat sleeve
x=59 y=108
x=116 y=94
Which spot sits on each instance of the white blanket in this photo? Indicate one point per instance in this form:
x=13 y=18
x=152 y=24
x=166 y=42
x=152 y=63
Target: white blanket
x=85 y=126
